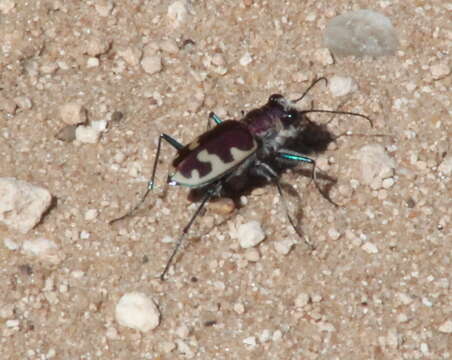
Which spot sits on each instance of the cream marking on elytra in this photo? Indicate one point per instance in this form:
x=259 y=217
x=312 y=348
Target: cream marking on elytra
x=219 y=167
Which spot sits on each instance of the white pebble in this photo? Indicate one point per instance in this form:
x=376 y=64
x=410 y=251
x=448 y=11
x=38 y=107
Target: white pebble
x=440 y=70
x=23 y=102
x=369 y=248
x=169 y=46
x=73 y=113
x=246 y=59
x=87 y=134
x=360 y=33
x=446 y=327
x=10 y=244
x=152 y=64
x=277 y=335
x=104 y=7
x=178 y=12
x=334 y=234
x=91 y=214
x=302 y=300
x=446 y=165
x=265 y=336
x=92 y=62
x=284 y=246
x=135 y=310
x=184 y=349
x=96 y=46
x=405 y=299
x=323 y=56
x=6 y=6
x=387 y=183
x=250 y=341
x=252 y=255
x=22 y=204
x=250 y=234
x=131 y=55
x=183 y=331
x=239 y=308
x=342 y=85
x=44 y=249
x=376 y=165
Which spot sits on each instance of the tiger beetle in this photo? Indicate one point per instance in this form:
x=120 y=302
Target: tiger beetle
x=234 y=149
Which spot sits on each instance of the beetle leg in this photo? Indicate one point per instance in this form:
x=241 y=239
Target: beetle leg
x=174 y=143
x=266 y=171
x=293 y=156
x=215 y=118
x=210 y=193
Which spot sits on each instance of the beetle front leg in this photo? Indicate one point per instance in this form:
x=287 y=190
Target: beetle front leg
x=294 y=157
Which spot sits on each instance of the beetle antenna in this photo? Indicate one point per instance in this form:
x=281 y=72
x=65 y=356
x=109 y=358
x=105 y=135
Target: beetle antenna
x=338 y=112
x=310 y=87
x=184 y=233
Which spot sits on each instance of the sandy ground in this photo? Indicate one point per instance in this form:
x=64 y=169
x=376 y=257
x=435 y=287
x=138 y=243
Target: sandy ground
x=376 y=287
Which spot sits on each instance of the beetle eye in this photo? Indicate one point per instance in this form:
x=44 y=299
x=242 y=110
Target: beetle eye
x=291 y=115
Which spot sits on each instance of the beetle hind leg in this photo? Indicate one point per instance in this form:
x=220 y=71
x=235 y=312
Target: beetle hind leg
x=174 y=143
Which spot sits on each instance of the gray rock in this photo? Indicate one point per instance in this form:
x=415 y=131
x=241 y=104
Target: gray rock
x=361 y=33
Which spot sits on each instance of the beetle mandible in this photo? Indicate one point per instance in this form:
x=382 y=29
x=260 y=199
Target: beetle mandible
x=236 y=149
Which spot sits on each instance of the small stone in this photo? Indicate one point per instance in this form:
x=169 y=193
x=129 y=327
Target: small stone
x=6 y=6
x=92 y=62
x=387 y=183
x=334 y=234
x=250 y=234
x=22 y=204
x=73 y=113
x=446 y=327
x=239 y=308
x=222 y=206
x=183 y=331
x=67 y=133
x=440 y=70
x=369 y=248
x=302 y=300
x=323 y=56
x=250 y=341
x=91 y=214
x=104 y=7
x=341 y=85
x=284 y=246
x=324 y=326
x=8 y=105
x=252 y=255
x=131 y=55
x=184 y=349
x=23 y=102
x=277 y=335
x=246 y=59
x=178 y=12
x=446 y=165
x=376 y=165
x=112 y=333
x=265 y=336
x=87 y=134
x=10 y=244
x=152 y=64
x=405 y=299
x=169 y=46
x=135 y=310
x=45 y=249
x=96 y=46
x=361 y=33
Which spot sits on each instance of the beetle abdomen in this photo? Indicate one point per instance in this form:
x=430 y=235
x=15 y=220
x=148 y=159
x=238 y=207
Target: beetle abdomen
x=213 y=154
